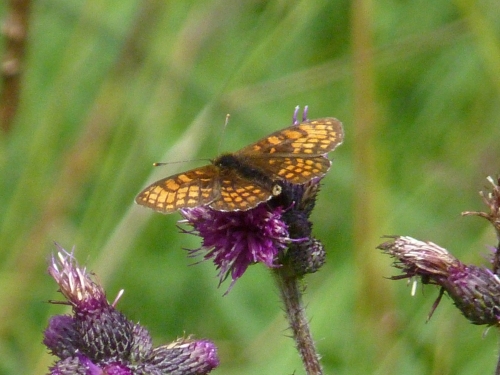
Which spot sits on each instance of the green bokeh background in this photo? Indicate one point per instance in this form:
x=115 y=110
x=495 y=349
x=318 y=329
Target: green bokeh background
x=112 y=86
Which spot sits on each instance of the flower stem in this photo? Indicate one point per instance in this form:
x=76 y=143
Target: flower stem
x=291 y=294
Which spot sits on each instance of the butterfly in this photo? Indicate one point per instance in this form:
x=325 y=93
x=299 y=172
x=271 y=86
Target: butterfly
x=241 y=180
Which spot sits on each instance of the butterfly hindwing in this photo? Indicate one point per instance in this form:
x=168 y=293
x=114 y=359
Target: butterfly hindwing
x=295 y=170
x=239 y=193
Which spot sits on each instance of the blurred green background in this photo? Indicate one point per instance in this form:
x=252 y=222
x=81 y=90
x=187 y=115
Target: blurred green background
x=112 y=86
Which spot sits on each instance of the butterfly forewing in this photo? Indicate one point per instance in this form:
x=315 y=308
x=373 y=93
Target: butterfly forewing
x=193 y=188
x=315 y=137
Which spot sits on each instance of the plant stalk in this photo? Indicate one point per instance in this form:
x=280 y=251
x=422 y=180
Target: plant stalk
x=291 y=295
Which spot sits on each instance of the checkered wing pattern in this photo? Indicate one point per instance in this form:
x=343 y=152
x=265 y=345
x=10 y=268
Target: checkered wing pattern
x=197 y=187
x=296 y=170
x=296 y=154
x=238 y=193
x=310 y=138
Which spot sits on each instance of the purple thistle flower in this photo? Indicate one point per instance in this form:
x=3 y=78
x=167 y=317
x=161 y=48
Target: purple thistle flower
x=97 y=339
x=474 y=290
x=235 y=240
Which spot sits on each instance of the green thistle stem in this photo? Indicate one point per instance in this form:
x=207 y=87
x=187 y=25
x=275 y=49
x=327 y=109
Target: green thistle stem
x=291 y=295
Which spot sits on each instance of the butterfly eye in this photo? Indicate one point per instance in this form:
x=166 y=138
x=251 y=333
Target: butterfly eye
x=276 y=190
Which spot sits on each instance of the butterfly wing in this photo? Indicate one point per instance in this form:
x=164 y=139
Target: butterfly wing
x=296 y=154
x=238 y=193
x=196 y=187
x=310 y=138
x=295 y=170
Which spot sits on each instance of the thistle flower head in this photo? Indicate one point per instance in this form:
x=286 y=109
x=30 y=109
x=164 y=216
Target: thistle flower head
x=474 y=290
x=235 y=240
x=305 y=254
x=98 y=339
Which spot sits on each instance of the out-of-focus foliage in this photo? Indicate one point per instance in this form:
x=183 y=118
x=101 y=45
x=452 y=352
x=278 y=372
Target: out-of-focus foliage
x=112 y=86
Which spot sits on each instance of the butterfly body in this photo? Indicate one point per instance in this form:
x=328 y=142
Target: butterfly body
x=243 y=179
x=246 y=170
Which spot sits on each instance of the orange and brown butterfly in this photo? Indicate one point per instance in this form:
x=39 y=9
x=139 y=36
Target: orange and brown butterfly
x=241 y=180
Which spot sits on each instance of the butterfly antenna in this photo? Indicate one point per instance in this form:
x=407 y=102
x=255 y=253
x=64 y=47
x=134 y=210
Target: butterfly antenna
x=159 y=164
x=223 y=131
